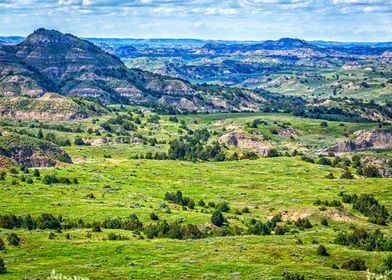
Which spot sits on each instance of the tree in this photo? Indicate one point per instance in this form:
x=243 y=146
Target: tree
x=322 y=251
x=355 y=265
x=387 y=263
x=36 y=173
x=40 y=135
x=347 y=175
x=52 y=235
x=324 y=221
x=324 y=124
x=2 y=266
x=2 y=245
x=217 y=218
x=154 y=216
x=13 y=239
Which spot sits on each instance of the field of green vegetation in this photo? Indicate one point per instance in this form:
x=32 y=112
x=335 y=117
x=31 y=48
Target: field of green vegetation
x=117 y=213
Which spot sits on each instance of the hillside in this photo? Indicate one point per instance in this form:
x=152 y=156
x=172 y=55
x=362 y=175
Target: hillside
x=141 y=194
x=48 y=60
x=49 y=107
x=31 y=152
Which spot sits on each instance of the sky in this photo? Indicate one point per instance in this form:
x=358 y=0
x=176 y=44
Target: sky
x=335 y=20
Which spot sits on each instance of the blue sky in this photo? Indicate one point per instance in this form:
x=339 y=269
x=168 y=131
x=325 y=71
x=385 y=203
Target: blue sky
x=342 y=20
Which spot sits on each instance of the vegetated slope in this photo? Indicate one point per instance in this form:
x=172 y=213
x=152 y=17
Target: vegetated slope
x=48 y=60
x=31 y=151
x=50 y=107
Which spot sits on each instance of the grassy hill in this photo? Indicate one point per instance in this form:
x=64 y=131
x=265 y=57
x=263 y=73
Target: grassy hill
x=87 y=209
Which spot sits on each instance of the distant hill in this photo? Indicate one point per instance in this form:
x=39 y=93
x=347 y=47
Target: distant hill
x=50 y=61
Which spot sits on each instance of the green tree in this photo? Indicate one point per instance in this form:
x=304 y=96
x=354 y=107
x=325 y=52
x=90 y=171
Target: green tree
x=322 y=251
x=13 y=239
x=2 y=245
x=2 y=266
x=217 y=218
x=36 y=173
x=40 y=135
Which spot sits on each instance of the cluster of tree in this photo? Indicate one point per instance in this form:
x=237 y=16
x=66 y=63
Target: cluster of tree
x=193 y=150
x=369 y=206
x=44 y=221
x=54 y=179
x=369 y=241
x=131 y=223
x=178 y=198
x=174 y=230
x=333 y=203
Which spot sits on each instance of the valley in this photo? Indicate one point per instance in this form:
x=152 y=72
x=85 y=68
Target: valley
x=194 y=159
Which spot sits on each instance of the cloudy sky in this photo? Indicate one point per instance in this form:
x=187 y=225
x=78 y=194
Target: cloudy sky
x=343 y=20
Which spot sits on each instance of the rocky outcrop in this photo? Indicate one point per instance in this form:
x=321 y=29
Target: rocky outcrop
x=287 y=132
x=365 y=140
x=243 y=141
x=50 y=107
x=108 y=141
x=31 y=152
x=50 y=61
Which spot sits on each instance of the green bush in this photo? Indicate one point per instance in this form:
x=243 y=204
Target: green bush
x=217 y=218
x=2 y=266
x=322 y=251
x=13 y=239
x=356 y=264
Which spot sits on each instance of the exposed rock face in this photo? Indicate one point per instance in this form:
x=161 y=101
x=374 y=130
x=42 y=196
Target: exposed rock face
x=50 y=107
x=31 y=152
x=381 y=164
x=365 y=140
x=107 y=141
x=241 y=140
x=55 y=55
x=286 y=132
x=48 y=60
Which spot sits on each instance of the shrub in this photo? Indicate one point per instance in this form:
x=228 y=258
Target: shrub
x=178 y=198
x=96 y=228
x=2 y=245
x=201 y=203
x=2 y=266
x=324 y=161
x=370 y=207
x=217 y=218
x=324 y=124
x=154 y=216
x=387 y=263
x=356 y=264
x=292 y=276
x=223 y=207
x=324 y=221
x=113 y=236
x=52 y=235
x=347 y=175
x=303 y=223
x=36 y=173
x=322 y=251
x=365 y=240
x=13 y=239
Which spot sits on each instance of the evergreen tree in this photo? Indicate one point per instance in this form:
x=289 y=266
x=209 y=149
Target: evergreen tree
x=217 y=218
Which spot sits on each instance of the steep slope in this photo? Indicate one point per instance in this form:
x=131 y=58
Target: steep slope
x=48 y=60
x=50 y=107
x=30 y=151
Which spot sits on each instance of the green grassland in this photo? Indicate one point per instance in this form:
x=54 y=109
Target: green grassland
x=372 y=80
x=122 y=185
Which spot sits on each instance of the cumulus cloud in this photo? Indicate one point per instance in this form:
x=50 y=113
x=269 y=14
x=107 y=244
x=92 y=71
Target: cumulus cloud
x=251 y=19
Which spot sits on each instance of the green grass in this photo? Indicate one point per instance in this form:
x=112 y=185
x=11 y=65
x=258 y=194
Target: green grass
x=267 y=186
